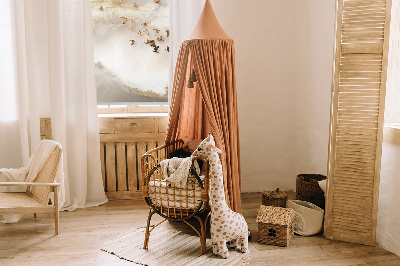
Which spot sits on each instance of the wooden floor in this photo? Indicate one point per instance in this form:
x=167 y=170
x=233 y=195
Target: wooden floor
x=82 y=233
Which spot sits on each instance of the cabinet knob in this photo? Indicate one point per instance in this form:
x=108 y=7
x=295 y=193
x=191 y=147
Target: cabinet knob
x=133 y=124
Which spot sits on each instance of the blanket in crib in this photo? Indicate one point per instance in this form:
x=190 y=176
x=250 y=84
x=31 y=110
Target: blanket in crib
x=176 y=170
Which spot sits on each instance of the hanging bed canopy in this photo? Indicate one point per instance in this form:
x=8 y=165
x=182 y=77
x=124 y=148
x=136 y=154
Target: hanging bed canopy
x=204 y=97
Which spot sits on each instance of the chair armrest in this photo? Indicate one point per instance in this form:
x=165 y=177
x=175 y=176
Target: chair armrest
x=29 y=184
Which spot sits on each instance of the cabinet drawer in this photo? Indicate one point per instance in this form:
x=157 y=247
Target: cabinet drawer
x=162 y=124
x=134 y=125
x=106 y=125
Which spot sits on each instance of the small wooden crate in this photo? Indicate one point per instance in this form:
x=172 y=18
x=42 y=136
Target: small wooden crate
x=275 y=225
x=274 y=198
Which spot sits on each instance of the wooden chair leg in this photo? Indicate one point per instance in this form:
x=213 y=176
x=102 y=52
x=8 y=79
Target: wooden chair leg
x=56 y=211
x=147 y=235
x=34 y=215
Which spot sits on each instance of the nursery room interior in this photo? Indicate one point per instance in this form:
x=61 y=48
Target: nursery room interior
x=199 y=132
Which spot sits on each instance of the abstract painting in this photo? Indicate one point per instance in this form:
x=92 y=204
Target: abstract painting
x=131 y=50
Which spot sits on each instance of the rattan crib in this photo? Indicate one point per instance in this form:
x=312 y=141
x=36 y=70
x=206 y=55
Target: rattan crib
x=170 y=202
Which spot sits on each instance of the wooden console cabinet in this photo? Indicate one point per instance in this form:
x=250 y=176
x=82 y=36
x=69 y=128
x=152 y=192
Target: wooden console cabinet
x=123 y=141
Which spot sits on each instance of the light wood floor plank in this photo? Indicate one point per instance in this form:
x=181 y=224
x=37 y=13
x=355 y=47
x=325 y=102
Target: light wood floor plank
x=83 y=232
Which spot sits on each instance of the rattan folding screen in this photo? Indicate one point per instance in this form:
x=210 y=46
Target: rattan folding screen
x=358 y=96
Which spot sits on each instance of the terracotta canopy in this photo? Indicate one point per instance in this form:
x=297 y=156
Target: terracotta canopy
x=211 y=105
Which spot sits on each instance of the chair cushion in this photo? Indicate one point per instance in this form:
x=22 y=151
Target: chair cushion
x=17 y=199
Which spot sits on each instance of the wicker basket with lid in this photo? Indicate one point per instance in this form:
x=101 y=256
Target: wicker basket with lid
x=274 y=198
x=275 y=225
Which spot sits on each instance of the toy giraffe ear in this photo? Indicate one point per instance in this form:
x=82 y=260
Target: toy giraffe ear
x=216 y=149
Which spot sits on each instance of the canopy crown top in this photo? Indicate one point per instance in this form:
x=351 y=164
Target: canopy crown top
x=207 y=26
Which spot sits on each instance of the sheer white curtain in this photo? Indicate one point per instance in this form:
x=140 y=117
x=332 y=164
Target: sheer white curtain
x=54 y=77
x=183 y=18
x=10 y=155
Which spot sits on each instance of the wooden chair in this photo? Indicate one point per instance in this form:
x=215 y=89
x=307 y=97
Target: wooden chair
x=36 y=197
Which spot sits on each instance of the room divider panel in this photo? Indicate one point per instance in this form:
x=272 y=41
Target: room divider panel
x=358 y=97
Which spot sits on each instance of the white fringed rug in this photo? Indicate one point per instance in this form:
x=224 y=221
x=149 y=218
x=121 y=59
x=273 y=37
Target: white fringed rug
x=168 y=247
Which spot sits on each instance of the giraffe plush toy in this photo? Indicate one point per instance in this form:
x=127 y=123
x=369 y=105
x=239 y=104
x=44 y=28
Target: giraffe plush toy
x=226 y=225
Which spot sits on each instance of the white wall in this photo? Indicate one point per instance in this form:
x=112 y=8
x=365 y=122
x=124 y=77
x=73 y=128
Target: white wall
x=314 y=60
x=284 y=52
x=388 y=227
x=264 y=32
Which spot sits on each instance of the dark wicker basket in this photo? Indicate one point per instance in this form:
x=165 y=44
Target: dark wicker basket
x=274 y=198
x=308 y=189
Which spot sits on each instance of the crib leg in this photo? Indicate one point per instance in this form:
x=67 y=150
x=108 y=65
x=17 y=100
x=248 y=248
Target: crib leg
x=147 y=235
x=203 y=236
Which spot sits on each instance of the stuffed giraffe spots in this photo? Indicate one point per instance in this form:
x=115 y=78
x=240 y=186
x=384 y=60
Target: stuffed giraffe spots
x=226 y=225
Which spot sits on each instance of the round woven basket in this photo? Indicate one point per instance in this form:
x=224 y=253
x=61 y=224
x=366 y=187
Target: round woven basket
x=308 y=189
x=309 y=217
x=274 y=198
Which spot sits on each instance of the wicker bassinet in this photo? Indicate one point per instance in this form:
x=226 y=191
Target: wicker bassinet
x=175 y=203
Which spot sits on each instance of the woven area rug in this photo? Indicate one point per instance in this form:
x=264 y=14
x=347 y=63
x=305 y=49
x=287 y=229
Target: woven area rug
x=167 y=247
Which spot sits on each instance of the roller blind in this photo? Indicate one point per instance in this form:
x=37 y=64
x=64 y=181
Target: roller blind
x=358 y=97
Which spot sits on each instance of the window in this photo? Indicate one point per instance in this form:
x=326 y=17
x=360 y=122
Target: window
x=131 y=51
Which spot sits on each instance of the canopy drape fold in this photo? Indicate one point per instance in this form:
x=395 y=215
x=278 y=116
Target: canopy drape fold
x=211 y=106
